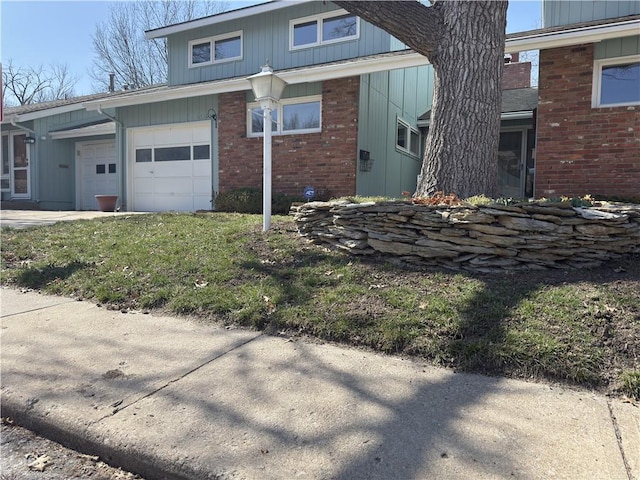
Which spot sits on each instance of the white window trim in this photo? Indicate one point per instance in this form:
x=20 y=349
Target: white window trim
x=212 y=44
x=320 y=19
x=597 y=79
x=7 y=175
x=279 y=108
x=407 y=149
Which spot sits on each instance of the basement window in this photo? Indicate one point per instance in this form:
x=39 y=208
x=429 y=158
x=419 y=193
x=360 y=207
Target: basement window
x=616 y=82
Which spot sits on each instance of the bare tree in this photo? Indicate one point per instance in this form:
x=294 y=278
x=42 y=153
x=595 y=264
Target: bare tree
x=25 y=85
x=464 y=41
x=120 y=45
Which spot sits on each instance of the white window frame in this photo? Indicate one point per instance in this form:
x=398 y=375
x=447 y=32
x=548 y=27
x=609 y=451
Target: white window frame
x=212 y=48
x=320 y=20
x=597 y=79
x=280 y=116
x=6 y=175
x=407 y=150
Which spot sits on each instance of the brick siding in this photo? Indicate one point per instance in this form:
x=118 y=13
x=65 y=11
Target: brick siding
x=582 y=150
x=325 y=160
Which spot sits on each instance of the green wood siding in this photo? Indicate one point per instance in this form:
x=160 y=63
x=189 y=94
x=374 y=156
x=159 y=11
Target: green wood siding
x=617 y=47
x=563 y=12
x=53 y=165
x=267 y=37
x=385 y=97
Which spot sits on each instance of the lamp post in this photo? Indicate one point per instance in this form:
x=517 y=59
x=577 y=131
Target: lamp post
x=267 y=88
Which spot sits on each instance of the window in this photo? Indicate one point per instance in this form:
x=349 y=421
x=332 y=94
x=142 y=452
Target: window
x=299 y=115
x=221 y=48
x=616 y=82
x=407 y=138
x=101 y=168
x=337 y=26
x=170 y=154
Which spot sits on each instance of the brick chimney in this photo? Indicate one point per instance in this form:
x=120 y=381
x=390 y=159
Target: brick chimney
x=515 y=74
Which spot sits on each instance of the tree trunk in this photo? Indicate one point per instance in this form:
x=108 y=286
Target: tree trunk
x=464 y=41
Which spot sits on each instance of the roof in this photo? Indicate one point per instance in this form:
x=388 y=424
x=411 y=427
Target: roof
x=514 y=101
x=36 y=110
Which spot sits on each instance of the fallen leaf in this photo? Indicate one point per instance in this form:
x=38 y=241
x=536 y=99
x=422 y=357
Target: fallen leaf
x=40 y=463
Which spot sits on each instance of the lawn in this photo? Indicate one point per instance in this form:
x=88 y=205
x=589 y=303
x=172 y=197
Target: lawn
x=575 y=327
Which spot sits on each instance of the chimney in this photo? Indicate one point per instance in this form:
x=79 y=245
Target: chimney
x=112 y=82
x=515 y=74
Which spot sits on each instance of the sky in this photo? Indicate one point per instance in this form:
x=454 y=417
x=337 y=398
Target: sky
x=35 y=33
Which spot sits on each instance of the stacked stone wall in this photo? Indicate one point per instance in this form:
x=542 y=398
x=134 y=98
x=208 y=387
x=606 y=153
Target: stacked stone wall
x=490 y=238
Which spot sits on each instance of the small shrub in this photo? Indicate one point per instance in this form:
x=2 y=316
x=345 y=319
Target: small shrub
x=249 y=200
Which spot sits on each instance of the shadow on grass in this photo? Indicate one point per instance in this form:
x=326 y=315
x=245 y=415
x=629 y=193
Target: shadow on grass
x=37 y=278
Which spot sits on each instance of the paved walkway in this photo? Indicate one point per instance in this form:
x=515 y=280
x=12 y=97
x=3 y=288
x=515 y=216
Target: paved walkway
x=172 y=398
x=31 y=218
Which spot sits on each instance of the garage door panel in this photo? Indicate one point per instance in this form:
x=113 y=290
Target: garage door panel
x=202 y=202
x=173 y=186
x=167 y=182
x=201 y=168
x=173 y=169
x=201 y=187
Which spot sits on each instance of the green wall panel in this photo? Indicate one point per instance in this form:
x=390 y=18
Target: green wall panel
x=265 y=37
x=564 y=12
x=617 y=47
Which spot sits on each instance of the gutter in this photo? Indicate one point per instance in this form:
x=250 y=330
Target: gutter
x=15 y=123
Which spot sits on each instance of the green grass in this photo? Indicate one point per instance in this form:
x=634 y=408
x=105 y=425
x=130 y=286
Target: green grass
x=579 y=327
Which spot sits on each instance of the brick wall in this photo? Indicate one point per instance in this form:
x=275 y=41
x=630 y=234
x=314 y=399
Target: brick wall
x=516 y=75
x=325 y=160
x=582 y=150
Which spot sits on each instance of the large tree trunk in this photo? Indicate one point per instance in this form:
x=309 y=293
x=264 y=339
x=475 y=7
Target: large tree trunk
x=464 y=41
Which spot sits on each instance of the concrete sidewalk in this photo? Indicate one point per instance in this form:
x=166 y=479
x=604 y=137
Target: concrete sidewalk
x=171 y=398
x=32 y=218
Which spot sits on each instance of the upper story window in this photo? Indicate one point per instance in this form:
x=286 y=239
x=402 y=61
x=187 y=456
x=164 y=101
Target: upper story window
x=321 y=29
x=221 y=48
x=291 y=116
x=616 y=82
x=407 y=138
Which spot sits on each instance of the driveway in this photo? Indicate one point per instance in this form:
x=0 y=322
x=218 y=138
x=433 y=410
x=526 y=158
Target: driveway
x=30 y=218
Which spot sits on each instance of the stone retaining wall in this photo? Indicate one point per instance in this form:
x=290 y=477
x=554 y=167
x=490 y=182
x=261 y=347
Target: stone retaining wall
x=484 y=238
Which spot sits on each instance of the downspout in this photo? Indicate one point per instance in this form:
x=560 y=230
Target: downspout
x=15 y=123
x=123 y=167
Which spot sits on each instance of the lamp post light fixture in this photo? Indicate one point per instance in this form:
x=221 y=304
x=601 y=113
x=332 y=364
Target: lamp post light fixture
x=267 y=88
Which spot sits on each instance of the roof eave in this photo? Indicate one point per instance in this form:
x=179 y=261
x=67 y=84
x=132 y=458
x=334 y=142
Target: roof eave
x=221 y=17
x=316 y=73
x=573 y=36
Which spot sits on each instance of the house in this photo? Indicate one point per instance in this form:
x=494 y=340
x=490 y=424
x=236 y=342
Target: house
x=352 y=120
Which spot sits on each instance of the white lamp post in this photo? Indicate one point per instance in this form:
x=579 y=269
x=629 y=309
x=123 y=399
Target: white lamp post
x=268 y=88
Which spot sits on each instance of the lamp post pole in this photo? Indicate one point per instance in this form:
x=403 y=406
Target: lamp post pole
x=267 y=106
x=267 y=88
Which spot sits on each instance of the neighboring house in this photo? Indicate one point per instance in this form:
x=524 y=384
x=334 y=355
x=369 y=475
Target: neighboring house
x=351 y=122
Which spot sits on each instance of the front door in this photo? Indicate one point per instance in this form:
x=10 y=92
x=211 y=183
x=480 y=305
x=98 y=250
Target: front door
x=20 y=167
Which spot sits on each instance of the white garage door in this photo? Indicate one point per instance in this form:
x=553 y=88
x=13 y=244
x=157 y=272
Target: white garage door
x=171 y=167
x=98 y=173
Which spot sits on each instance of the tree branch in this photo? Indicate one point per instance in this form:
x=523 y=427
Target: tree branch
x=411 y=22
